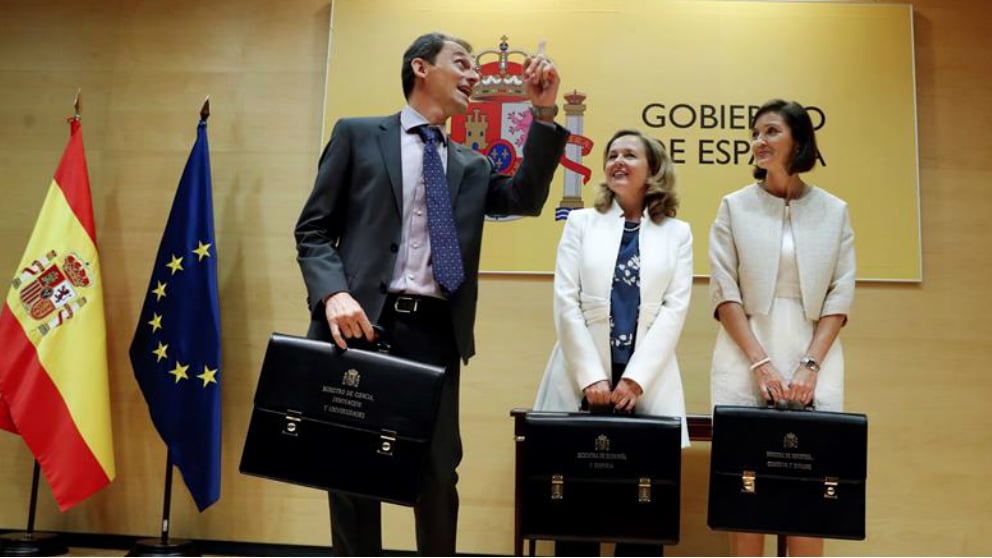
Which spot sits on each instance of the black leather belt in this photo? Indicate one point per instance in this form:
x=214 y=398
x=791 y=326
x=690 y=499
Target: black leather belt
x=416 y=305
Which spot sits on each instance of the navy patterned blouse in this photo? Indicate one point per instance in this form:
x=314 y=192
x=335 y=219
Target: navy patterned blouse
x=625 y=297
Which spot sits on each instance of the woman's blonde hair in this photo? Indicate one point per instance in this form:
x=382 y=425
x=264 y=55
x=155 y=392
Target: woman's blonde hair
x=660 y=197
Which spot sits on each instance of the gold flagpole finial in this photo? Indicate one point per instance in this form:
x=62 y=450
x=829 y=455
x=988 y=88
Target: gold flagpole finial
x=76 y=104
x=205 y=111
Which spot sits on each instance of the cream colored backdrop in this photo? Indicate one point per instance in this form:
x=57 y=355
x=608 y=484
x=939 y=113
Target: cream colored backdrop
x=654 y=65
x=917 y=354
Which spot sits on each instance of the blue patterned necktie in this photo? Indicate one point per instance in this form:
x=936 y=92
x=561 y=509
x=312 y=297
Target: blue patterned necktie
x=446 y=258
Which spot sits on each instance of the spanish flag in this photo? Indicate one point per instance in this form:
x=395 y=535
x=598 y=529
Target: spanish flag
x=53 y=366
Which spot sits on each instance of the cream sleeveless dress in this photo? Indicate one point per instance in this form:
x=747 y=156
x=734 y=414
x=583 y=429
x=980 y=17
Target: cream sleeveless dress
x=785 y=334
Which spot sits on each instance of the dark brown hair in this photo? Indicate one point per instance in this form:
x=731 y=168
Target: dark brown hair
x=801 y=127
x=426 y=47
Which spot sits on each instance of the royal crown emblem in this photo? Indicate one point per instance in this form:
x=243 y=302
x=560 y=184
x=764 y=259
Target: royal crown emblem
x=790 y=441
x=602 y=443
x=501 y=78
x=51 y=291
x=498 y=119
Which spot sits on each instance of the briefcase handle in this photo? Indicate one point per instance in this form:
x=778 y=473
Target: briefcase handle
x=789 y=405
x=604 y=409
x=381 y=344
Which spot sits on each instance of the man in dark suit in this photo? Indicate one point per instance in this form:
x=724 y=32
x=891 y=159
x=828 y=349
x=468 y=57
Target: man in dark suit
x=391 y=233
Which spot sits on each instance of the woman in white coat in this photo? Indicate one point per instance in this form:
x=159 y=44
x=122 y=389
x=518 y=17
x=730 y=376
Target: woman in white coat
x=622 y=284
x=782 y=283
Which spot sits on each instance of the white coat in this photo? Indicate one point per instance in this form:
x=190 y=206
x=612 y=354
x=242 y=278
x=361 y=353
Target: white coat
x=746 y=242
x=587 y=255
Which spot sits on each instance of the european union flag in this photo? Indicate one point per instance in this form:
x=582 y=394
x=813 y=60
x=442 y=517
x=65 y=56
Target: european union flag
x=176 y=348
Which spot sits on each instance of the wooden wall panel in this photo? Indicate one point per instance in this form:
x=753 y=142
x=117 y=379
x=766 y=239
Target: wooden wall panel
x=145 y=68
x=917 y=354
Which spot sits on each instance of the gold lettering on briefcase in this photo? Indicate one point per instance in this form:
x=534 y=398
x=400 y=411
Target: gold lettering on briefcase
x=789 y=460
x=348 y=402
x=351 y=378
x=601 y=457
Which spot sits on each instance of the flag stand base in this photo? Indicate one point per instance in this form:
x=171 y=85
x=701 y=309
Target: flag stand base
x=158 y=547
x=32 y=544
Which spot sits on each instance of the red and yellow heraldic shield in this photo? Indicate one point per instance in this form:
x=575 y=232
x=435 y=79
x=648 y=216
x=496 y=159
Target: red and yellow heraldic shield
x=53 y=367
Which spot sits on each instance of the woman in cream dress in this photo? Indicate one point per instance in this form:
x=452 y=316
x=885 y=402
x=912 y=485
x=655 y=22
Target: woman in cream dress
x=782 y=283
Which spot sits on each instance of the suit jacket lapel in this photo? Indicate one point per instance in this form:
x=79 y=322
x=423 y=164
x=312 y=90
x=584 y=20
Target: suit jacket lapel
x=607 y=232
x=456 y=168
x=651 y=259
x=389 y=144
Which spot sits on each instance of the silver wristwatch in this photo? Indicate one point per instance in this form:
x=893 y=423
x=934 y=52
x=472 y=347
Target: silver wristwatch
x=810 y=362
x=545 y=113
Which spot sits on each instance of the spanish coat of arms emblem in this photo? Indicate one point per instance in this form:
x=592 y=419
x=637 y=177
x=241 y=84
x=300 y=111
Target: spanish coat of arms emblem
x=51 y=289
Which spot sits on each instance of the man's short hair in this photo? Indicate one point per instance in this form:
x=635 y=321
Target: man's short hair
x=426 y=47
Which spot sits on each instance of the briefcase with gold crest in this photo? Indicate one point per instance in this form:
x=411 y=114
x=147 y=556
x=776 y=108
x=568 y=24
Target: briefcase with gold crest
x=599 y=477
x=788 y=472
x=354 y=421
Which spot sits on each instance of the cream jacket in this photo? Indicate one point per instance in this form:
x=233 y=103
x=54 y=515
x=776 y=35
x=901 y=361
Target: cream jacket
x=746 y=243
x=584 y=272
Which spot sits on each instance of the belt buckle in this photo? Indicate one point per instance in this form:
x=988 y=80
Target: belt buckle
x=405 y=305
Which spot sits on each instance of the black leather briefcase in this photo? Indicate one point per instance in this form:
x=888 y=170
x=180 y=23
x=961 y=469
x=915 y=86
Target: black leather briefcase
x=599 y=477
x=788 y=472
x=352 y=421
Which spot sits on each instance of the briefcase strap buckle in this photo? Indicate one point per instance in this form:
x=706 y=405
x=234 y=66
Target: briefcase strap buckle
x=830 y=488
x=294 y=419
x=747 y=482
x=557 y=487
x=387 y=441
x=644 y=491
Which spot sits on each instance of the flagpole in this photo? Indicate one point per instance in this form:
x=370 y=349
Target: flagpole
x=167 y=500
x=33 y=506
x=164 y=546
x=30 y=543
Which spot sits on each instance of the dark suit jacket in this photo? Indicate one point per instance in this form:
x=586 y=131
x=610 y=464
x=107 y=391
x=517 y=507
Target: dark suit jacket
x=348 y=234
